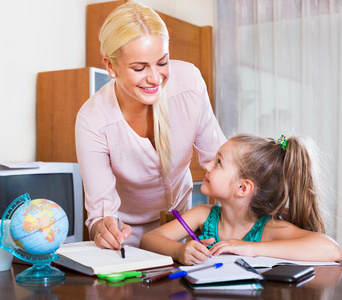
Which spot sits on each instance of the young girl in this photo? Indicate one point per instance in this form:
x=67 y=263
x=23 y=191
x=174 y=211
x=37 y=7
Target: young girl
x=259 y=183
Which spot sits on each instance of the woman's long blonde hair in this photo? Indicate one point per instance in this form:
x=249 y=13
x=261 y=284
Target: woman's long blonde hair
x=129 y=21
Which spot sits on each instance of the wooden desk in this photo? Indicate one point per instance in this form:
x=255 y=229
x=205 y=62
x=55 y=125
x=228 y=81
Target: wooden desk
x=326 y=284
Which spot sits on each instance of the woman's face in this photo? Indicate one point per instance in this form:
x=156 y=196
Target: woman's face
x=142 y=70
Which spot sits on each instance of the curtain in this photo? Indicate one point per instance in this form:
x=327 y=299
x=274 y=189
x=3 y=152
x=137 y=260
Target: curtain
x=278 y=66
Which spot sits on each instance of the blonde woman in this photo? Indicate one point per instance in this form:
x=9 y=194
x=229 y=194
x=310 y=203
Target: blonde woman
x=134 y=137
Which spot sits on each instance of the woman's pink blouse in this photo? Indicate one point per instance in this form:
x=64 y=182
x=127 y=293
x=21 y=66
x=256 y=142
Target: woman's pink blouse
x=121 y=171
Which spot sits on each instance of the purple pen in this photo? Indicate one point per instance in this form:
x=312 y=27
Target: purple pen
x=186 y=227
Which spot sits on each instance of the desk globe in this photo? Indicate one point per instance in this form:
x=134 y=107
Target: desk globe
x=32 y=230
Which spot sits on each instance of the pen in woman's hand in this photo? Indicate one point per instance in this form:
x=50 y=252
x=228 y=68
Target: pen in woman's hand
x=122 y=247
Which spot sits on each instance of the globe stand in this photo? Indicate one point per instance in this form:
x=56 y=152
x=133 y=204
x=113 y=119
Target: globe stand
x=41 y=271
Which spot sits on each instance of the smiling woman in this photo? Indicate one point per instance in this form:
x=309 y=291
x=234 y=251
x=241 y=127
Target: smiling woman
x=135 y=136
x=141 y=78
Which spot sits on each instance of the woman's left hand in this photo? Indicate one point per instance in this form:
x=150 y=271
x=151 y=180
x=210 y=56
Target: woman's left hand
x=234 y=246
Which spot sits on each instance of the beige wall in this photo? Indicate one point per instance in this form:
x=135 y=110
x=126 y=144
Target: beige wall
x=47 y=35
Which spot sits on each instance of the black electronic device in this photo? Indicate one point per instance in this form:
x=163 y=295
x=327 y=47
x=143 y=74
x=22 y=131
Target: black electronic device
x=289 y=273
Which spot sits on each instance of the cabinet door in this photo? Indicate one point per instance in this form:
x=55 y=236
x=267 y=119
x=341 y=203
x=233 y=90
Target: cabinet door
x=60 y=95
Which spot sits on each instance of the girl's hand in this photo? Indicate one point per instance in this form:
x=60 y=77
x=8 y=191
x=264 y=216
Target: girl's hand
x=234 y=246
x=193 y=252
x=107 y=234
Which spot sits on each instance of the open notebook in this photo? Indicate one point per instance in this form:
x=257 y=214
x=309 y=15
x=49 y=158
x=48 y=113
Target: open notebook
x=87 y=258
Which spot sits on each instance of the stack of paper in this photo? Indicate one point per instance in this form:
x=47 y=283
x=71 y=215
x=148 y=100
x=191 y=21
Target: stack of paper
x=248 y=288
x=228 y=277
x=228 y=272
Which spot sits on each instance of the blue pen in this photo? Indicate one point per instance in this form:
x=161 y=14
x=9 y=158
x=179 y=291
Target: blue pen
x=184 y=273
x=186 y=227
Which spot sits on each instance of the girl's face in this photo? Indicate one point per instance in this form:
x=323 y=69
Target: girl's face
x=221 y=178
x=142 y=69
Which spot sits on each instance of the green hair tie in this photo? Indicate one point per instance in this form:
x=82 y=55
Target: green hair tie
x=282 y=141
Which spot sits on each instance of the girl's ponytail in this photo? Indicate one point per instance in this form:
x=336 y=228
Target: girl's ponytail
x=301 y=188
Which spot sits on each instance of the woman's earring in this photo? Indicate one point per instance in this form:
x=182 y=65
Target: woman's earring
x=112 y=75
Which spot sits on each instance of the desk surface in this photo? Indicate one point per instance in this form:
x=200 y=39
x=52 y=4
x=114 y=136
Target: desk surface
x=326 y=284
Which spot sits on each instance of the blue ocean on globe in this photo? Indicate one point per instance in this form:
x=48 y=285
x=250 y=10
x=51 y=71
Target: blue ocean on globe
x=39 y=227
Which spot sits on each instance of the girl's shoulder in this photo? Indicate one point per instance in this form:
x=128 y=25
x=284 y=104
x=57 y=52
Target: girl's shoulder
x=202 y=209
x=199 y=212
x=277 y=223
x=280 y=229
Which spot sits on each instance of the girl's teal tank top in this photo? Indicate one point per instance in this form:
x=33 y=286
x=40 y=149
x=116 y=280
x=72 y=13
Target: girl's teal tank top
x=210 y=227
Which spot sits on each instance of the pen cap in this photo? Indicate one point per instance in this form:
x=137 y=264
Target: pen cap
x=177 y=275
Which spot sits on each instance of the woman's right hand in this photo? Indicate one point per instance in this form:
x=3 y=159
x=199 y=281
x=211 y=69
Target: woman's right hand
x=106 y=234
